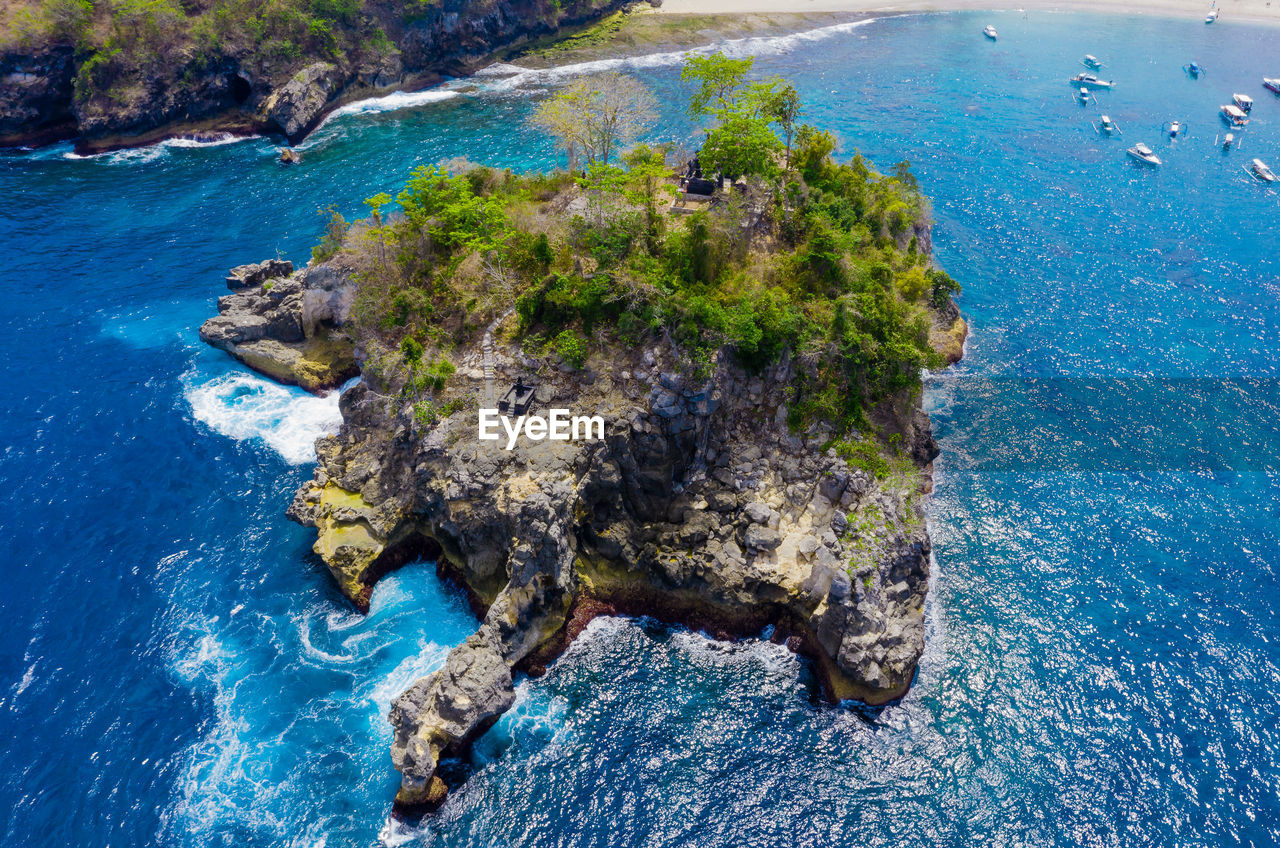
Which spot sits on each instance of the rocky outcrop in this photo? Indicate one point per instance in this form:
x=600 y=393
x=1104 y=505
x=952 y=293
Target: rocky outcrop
x=948 y=333
x=35 y=96
x=287 y=325
x=295 y=108
x=697 y=506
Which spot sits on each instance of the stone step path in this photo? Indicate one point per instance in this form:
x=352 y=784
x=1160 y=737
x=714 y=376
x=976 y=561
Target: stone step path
x=486 y=349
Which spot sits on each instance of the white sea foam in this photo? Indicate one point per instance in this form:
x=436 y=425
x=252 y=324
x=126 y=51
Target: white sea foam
x=392 y=102
x=506 y=77
x=160 y=149
x=243 y=406
x=503 y=77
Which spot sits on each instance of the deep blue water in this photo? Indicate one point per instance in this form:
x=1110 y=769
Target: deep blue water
x=1103 y=659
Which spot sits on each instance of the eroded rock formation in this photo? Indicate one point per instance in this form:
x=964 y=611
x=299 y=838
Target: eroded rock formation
x=287 y=325
x=698 y=506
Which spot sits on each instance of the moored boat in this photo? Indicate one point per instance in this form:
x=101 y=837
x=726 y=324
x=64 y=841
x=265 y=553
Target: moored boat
x=990 y=32
x=1271 y=84
x=1234 y=116
x=1091 y=81
x=1244 y=101
x=1091 y=61
x=1228 y=140
x=1106 y=126
x=1174 y=128
x=1262 y=172
x=1193 y=69
x=1212 y=16
x=1144 y=155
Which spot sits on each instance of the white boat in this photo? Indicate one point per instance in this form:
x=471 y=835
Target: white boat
x=1262 y=172
x=990 y=32
x=1212 y=16
x=1091 y=61
x=1090 y=80
x=1244 y=101
x=1084 y=94
x=1271 y=84
x=1228 y=140
x=1234 y=116
x=1143 y=154
x=1106 y=126
x=1174 y=128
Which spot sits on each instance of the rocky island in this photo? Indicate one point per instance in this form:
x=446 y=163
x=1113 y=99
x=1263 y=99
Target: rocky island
x=750 y=326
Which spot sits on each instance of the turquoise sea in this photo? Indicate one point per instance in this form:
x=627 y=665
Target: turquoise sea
x=1103 y=656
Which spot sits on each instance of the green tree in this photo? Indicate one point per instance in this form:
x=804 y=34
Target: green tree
x=715 y=79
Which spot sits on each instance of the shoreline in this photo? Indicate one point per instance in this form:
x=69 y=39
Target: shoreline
x=674 y=26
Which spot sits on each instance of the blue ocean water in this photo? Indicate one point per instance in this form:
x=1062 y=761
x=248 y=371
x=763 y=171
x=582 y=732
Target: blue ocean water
x=1103 y=658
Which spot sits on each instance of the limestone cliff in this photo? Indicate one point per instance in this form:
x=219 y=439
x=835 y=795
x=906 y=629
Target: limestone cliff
x=698 y=506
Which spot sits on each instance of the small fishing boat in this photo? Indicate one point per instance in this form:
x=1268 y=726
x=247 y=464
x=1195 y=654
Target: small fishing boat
x=990 y=32
x=1262 y=172
x=1193 y=69
x=1174 y=128
x=1272 y=84
x=1144 y=155
x=1228 y=140
x=1083 y=94
x=1244 y=101
x=1212 y=16
x=1091 y=61
x=1234 y=116
x=1106 y=126
x=1090 y=80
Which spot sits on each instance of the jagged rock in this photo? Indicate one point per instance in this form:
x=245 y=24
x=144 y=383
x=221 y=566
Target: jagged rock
x=444 y=710
x=287 y=325
x=253 y=275
x=36 y=95
x=647 y=521
x=296 y=106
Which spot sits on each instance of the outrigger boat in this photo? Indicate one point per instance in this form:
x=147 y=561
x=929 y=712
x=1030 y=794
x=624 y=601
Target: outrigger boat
x=1144 y=155
x=990 y=32
x=1234 y=116
x=1174 y=128
x=1090 y=80
x=1083 y=94
x=1271 y=84
x=1193 y=69
x=1106 y=126
x=1228 y=141
x=1244 y=101
x=1091 y=61
x=1261 y=172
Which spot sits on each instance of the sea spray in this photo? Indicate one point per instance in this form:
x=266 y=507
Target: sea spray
x=244 y=407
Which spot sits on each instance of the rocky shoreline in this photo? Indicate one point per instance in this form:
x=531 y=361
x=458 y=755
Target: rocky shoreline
x=698 y=507
x=41 y=102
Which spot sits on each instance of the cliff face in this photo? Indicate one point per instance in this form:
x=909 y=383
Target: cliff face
x=237 y=88
x=697 y=506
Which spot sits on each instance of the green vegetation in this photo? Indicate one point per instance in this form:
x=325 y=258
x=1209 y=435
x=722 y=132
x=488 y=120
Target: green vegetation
x=807 y=259
x=123 y=44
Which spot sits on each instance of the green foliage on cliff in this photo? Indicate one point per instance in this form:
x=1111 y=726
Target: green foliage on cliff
x=128 y=44
x=806 y=259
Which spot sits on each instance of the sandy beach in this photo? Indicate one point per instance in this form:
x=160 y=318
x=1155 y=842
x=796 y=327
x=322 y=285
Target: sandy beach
x=1230 y=10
